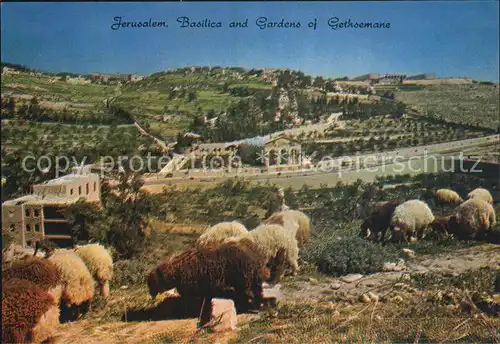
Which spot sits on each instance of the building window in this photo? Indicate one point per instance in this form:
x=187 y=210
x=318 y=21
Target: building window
x=95 y=186
x=12 y=227
x=37 y=212
x=79 y=190
x=28 y=228
x=27 y=212
x=71 y=191
x=87 y=188
x=37 y=228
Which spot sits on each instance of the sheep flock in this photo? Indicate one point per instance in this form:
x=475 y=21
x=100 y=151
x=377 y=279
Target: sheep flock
x=227 y=261
x=412 y=219
x=39 y=292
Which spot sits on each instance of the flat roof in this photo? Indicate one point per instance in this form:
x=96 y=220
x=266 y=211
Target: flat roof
x=41 y=200
x=69 y=178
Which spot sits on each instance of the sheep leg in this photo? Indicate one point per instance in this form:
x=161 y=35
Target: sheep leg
x=382 y=235
x=420 y=234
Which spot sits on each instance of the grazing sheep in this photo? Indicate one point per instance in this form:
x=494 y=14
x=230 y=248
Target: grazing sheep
x=294 y=221
x=448 y=196
x=220 y=232
x=29 y=314
x=270 y=239
x=38 y=271
x=232 y=270
x=481 y=194
x=379 y=221
x=444 y=226
x=474 y=216
x=100 y=264
x=409 y=218
x=77 y=283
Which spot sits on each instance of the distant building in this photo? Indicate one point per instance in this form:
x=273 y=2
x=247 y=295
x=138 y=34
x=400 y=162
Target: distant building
x=8 y=70
x=282 y=150
x=135 y=77
x=115 y=78
x=78 y=80
x=41 y=215
x=367 y=77
x=424 y=76
x=391 y=78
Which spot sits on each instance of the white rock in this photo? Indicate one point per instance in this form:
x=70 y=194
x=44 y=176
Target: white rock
x=223 y=316
x=335 y=286
x=273 y=292
x=351 y=278
x=408 y=253
x=391 y=267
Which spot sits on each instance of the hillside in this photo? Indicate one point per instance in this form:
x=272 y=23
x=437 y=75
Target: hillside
x=475 y=104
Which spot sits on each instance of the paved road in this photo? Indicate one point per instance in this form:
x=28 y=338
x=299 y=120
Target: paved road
x=413 y=160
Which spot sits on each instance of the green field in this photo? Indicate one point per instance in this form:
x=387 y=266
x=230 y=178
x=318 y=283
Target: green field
x=57 y=91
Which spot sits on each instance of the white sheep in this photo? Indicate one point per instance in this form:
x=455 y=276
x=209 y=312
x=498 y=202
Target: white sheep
x=77 y=283
x=100 y=264
x=481 y=194
x=294 y=221
x=273 y=242
x=411 y=217
x=220 y=233
x=474 y=216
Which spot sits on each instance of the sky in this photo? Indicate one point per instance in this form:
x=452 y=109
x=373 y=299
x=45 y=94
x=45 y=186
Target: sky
x=449 y=38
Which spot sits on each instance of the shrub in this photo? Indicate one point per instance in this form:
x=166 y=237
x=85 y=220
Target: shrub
x=339 y=255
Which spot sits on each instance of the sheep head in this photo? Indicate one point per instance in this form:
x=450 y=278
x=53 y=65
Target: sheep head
x=158 y=282
x=152 y=284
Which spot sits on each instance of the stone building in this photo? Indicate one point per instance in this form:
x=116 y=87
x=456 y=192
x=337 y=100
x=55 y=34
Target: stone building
x=40 y=215
x=282 y=150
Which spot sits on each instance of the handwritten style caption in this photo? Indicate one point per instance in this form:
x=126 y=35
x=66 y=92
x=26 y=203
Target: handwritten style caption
x=262 y=23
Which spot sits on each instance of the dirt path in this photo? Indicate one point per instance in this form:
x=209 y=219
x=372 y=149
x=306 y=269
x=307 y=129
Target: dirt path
x=453 y=263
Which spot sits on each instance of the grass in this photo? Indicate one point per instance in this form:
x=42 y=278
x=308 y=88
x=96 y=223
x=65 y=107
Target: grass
x=389 y=322
x=56 y=91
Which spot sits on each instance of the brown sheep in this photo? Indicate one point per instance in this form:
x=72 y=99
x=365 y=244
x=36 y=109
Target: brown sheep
x=29 y=314
x=232 y=270
x=444 y=226
x=379 y=221
x=38 y=271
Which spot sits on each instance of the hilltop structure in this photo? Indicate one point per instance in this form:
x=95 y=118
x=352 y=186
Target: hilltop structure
x=99 y=78
x=375 y=78
x=30 y=218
